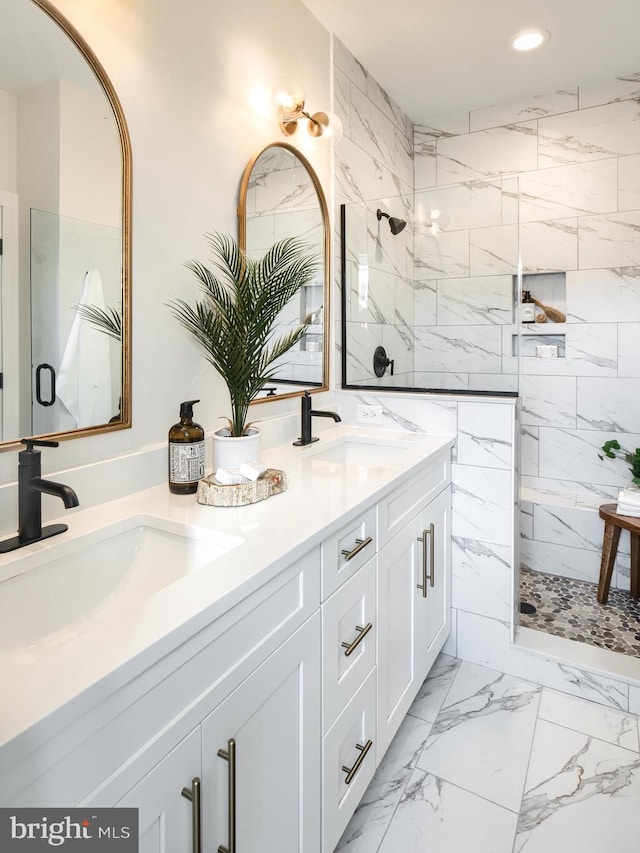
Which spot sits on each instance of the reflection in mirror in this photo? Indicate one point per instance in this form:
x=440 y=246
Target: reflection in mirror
x=280 y=196
x=64 y=225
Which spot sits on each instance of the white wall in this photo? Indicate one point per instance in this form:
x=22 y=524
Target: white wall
x=192 y=80
x=8 y=141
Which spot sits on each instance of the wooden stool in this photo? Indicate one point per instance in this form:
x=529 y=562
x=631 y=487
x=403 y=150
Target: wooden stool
x=613 y=524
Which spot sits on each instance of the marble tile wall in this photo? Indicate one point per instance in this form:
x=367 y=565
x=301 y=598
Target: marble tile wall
x=374 y=169
x=576 y=156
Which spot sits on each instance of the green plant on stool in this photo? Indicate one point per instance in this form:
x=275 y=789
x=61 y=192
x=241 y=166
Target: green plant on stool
x=612 y=449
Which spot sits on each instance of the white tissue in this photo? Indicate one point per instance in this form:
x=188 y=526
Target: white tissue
x=629 y=497
x=252 y=470
x=229 y=478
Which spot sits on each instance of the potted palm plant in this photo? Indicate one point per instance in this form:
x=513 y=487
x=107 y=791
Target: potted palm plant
x=234 y=322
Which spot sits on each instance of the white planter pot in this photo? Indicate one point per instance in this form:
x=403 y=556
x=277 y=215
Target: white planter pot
x=230 y=452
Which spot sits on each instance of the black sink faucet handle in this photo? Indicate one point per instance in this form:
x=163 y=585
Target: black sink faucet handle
x=38 y=442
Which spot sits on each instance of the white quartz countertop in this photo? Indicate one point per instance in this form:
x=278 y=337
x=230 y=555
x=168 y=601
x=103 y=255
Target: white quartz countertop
x=108 y=645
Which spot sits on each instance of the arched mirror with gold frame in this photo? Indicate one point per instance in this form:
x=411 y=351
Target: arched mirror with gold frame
x=65 y=220
x=281 y=196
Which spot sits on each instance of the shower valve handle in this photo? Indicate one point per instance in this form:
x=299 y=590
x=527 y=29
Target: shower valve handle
x=381 y=362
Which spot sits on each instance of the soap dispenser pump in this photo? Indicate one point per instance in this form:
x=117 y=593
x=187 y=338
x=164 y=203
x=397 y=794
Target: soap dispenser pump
x=528 y=308
x=186 y=452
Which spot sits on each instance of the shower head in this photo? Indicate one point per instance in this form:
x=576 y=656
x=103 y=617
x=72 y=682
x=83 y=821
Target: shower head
x=396 y=225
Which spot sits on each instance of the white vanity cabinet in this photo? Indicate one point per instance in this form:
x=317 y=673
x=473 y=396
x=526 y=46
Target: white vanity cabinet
x=261 y=755
x=165 y=815
x=414 y=571
x=406 y=618
x=259 y=724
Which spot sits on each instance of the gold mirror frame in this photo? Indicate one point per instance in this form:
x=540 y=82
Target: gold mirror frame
x=242 y=241
x=124 y=421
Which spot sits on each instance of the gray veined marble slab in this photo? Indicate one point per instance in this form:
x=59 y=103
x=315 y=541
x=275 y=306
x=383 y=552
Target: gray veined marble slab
x=548 y=401
x=371 y=130
x=608 y=405
x=629 y=182
x=482 y=504
x=603 y=295
x=493 y=250
x=358 y=174
x=616 y=727
x=346 y=62
x=628 y=350
x=427 y=704
x=610 y=241
x=438 y=817
x=488 y=153
x=469 y=205
x=565 y=191
x=594 y=134
x=481 y=578
x=621 y=88
x=581 y=794
x=485 y=435
x=459 y=349
x=549 y=246
x=480 y=740
x=481 y=300
x=533 y=106
x=441 y=254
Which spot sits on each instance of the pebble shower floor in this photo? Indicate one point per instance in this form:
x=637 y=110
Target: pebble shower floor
x=569 y=608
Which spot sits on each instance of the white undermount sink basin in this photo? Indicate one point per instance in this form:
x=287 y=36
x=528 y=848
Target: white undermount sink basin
x=360 y=450
x=111 y=572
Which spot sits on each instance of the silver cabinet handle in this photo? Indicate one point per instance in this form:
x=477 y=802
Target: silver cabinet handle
x=229 y=754
x=351 y=771
x=193 y=795
x=432 y=553
x=360 y=544
x=362 y=633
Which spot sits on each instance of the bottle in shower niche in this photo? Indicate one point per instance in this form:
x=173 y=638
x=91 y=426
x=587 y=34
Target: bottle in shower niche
x=527 y=308
x=186 y=452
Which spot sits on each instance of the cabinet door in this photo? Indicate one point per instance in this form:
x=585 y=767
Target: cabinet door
x=434 y=620
x=412 y=625
x=165 y=816
x=398 y=602
x=261 y=755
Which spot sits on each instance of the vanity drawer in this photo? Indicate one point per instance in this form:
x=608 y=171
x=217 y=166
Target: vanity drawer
x=348 y=641
x=347 y=550
x=399 y=507
x=349 y=744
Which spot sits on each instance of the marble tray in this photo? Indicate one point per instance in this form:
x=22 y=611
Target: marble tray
x=213 y=493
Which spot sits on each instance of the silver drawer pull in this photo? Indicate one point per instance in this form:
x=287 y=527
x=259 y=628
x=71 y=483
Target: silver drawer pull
x=362 y=633
x=351 y=771
x=193 y=795
x=229 y=754
x=360 y=544
x=425 y=565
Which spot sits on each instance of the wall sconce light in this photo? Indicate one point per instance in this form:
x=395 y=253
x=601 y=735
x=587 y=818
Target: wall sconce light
x=289 y=97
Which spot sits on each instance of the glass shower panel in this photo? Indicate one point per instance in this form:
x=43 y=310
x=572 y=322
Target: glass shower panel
x=441 y=296
x=76 y=378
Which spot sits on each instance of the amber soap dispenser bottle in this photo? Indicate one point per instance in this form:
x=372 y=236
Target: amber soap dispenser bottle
x=186 y=452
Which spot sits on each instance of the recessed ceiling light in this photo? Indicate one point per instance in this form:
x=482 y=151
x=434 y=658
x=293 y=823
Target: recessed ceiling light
x=529 y=39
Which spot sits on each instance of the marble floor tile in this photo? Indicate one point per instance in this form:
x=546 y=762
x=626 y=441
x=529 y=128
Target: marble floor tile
x=589 y=718
x=432 y=694
x=581 y=795
x=480 y=740
x=438 y=817
x=575 y=780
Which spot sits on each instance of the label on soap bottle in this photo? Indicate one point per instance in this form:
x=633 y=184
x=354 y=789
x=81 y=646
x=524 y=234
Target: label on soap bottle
x=186 y=462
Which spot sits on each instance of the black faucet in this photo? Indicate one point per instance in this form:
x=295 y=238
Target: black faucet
x=305 y=422
x=31 y=487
